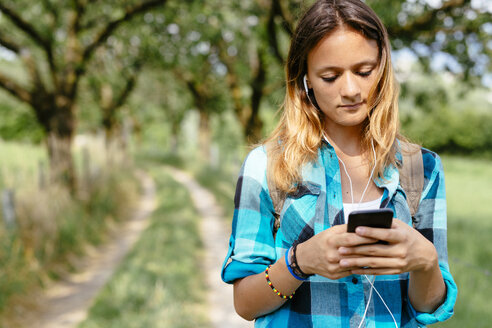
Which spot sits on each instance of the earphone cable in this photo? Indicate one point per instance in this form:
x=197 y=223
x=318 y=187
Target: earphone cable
x=350 y=180
x=360 y=201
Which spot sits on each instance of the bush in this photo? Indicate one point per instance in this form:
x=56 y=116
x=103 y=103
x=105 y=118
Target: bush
x=451 y=131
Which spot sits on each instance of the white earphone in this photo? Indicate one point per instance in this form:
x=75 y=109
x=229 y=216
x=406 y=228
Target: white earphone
x=305 y=84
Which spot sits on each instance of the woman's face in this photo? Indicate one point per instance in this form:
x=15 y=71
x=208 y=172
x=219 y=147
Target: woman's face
x=342 y=69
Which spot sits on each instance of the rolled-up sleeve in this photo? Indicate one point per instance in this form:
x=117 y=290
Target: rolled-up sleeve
x=431 y=221
x=445 y=310
x=251 y=245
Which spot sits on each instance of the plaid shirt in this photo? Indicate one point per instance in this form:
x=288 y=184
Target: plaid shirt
x=316 y=206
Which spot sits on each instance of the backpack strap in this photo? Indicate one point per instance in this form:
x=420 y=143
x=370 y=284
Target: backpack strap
x=277 y=196
x=412 y=175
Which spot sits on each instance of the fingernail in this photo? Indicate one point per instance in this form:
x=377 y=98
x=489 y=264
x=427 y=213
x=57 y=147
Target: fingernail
x=344 y=263
x=360 y=230
x=343 y=250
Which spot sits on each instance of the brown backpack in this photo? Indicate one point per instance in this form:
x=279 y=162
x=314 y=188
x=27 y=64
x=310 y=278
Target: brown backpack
x=411 y=180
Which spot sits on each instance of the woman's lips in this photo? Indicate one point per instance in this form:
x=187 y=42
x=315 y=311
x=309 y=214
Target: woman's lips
x=352 y=106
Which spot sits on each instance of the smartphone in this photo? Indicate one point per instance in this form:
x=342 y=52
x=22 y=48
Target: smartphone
x=378 y=218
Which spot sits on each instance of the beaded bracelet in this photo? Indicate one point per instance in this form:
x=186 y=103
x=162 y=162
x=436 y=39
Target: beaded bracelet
x=275 y=290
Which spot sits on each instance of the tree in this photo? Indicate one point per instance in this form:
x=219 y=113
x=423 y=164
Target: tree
x=250 y=47
x=458 y=31
x=111 y=78
x=56 y=40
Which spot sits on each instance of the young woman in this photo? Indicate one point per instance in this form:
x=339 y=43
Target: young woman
x=336 y=149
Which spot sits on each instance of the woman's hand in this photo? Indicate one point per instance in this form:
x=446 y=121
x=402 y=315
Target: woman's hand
x=407 y=251
x=320 y=254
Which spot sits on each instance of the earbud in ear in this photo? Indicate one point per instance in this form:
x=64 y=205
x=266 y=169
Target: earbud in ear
x=310 y=93
x=305 y=85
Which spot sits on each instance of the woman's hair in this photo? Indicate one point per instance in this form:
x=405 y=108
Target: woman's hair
x=298 y=136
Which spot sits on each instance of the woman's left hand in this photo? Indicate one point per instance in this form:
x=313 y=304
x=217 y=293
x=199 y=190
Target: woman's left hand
x=407 y=250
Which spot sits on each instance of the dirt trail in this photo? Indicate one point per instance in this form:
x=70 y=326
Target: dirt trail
x=215 y=235
x=65 y=303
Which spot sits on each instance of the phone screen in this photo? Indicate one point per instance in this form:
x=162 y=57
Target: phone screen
x=379 y=218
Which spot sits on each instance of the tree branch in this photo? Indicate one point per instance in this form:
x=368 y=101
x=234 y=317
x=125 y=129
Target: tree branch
x=130 y=85
x=288 y=22
x=29 y=29
x=52 y=10
x=257 y=84
x=232 y=82
x=426 y=22
x=113 y=25
x=24 y=26
x=33 y=70
x=8 y=43
x=15 y=89
x=79 y=8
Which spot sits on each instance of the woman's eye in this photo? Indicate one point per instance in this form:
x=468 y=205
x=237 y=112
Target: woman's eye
x=330 y=79
x=364 y=74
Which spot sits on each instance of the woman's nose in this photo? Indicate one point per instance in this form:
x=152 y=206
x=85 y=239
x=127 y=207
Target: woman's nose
x=350 y=89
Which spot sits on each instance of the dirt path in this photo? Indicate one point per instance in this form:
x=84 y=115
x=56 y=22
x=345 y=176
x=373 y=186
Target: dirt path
x=215 y=235
x=65 y=303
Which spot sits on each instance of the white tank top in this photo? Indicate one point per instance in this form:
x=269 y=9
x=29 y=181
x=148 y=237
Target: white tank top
x=370 y=205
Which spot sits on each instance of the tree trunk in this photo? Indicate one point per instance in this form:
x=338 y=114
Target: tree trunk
x=253 y=130
x=204 y=136
x=56 y=115
x=174 y=138
x=61 y=160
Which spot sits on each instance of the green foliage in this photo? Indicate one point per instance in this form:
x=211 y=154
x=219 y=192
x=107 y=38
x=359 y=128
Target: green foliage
x=18 y=121
x=444 y=116
x=445 y=130
x=158 y=109
x=458 y=31
x=160 y=283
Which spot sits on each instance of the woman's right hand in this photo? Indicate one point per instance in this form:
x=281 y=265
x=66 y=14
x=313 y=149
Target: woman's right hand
x=319 y=254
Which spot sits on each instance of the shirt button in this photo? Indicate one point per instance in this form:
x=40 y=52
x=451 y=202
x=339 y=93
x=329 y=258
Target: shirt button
x=355 y=280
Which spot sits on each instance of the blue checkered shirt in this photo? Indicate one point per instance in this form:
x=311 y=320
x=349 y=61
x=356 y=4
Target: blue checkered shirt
x=321 y=302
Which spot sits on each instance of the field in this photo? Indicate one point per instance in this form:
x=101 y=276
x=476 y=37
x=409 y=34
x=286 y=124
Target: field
x=469 y=199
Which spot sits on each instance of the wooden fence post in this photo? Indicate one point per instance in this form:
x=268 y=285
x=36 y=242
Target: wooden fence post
x=86 y=167
x=41 y=175
x=8 y=206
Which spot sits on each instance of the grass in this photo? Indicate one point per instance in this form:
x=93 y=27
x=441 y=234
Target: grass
x=160 y=283
x=51 y=226
x=221 y=185
x=20 y=164
x=469 y=226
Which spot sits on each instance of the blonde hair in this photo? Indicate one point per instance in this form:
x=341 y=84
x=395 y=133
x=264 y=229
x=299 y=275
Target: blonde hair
x=298 y=135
